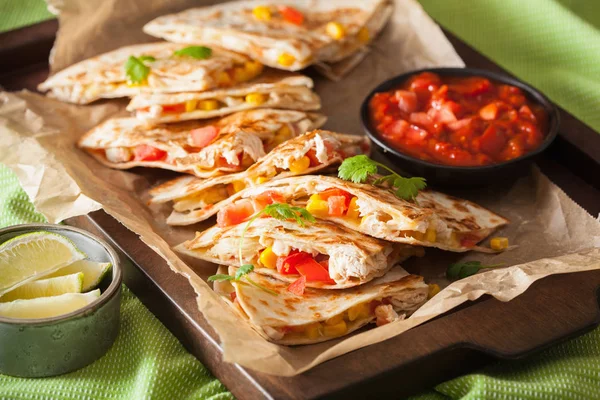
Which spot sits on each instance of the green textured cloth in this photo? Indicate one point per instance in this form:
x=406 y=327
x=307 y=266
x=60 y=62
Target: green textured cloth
x=19 y=13
x=551 y=44
x=146 y=361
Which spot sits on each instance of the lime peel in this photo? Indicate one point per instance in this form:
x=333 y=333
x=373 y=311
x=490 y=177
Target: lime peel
x=93 y=272
x=47 y=307
x=48 y=287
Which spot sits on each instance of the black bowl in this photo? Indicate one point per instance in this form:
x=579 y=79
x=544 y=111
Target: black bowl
x=445 y=175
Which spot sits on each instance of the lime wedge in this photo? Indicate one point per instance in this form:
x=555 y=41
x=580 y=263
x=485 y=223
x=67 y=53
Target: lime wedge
x=46 y=288
x=45 y=307
x=93 y=272
x=32 y=255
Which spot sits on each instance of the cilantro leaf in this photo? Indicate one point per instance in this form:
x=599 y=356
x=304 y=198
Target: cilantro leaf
x=283 y=211
x=135 y=69
x=462 y=270
x=198 y=52
x=357 y=169
x=243 y=270
x=220 y=277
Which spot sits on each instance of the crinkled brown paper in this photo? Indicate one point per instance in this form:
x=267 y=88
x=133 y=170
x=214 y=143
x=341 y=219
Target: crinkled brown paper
x=37 y=137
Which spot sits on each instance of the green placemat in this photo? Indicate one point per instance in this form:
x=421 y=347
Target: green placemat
x=146 y=361
x=16 y=14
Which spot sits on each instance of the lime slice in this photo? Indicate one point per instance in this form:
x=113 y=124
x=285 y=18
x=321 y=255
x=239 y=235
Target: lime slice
x=93 y=272
x=45 y=307
x=32 y=255
x=46 y=288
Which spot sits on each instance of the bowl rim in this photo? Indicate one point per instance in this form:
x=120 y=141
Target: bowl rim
x=532 y=94
x=107 y=295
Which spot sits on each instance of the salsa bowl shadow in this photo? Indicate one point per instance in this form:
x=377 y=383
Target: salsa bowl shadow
x=34 y=348
x=446 y=175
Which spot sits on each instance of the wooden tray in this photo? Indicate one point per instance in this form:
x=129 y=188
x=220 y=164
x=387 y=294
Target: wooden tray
x=552 y=310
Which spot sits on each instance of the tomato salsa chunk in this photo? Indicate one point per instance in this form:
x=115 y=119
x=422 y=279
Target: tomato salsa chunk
x=458 y=121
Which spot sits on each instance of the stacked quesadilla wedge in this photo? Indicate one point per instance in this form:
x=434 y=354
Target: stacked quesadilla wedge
x=195 y=200
x=273 y=89
x=328 y=255
x=166 y=66
x=284 y=34
x=203 y=148
x=319 y=315
x=433 y=220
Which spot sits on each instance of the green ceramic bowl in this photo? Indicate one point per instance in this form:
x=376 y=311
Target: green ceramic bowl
x=53 y=346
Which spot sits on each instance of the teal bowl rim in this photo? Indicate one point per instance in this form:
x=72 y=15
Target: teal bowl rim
x=112 y=289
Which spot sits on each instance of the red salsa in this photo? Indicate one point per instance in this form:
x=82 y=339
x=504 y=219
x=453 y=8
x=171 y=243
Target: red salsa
x=459 y=121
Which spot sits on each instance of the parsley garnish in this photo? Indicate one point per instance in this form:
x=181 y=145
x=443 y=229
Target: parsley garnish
x=280 y=211
x=136 y=70
x=359 y=168
x=199 y=52
x=468 y=268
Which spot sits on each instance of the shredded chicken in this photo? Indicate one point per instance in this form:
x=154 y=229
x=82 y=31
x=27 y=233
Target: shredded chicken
x=118 y=154
x=385 y=314
x=273 y=333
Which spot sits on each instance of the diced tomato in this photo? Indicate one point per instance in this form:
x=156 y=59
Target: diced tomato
x=144 y=152
x=426 y=81
x=461 y=123
x=442 y=115
x=416 y=134
x=472 y=86
x=202 y=137
x=326 y=194
x=489 y=112
x=290 y=14
x=526 y=112
x=223 y=163
x=493 y=140
x=287 y=265
x=235 y=213
x=324 y=263
x=268 y=197
x=297 y=287
x=422 y=119
x=174 y=108
x=313 y=271
x=337 y=205
x=397 y=129
x=469 y=240
x=407 y=101
x=233 y=296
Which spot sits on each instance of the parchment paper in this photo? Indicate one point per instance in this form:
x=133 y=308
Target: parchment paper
x=37 y=137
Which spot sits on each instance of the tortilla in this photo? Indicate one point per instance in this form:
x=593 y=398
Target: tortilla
x=104 y=76
x=242 y=139
x=433 y=220
x=319 y=315
x=272 y=39
x=273 y=89
x=352 y=258
x=196 y=200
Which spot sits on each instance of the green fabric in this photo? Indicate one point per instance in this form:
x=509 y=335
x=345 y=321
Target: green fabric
x=146 y=361
x=553 y=45
x=16 y=14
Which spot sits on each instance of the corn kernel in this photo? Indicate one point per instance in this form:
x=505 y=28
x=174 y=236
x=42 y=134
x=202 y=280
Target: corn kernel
x=283 y=134
x=223 y=78
x=335 y=30
x=363 y=35
x=358 y=311
x=313 y=331
x=240 y=74
x=137 y=84
x=434 y=289
x=268 y=259
x=190 y=105
x=256 y=98
x=499 y=243
x=317 y=206
x=262 y=179
x=238 y=186
x=335 y=320
x=253 y=68
x=353 y=209
x=430 y=235
x=262 y=13
x=335 y=330
x=208 y=105
x=286 y=60
x=300 y=165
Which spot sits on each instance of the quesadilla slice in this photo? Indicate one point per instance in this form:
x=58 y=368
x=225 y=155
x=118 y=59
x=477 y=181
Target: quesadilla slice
x=319 y=315
x=195 y=200
x=273 y=89
x=329 y=256
x=285 y=34
x=160 y=67
x=433 y=220
x=202 y=148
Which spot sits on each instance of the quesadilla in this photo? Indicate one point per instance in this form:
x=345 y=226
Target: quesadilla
x=329 y=256
x=155 y=68
x=434 y=219
x=319 y=315
x=285 y=34
x=202 y=148
x=195 y=200
x=273 y=89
